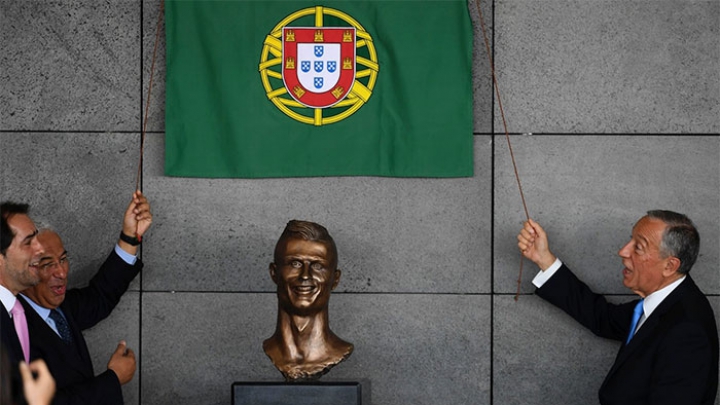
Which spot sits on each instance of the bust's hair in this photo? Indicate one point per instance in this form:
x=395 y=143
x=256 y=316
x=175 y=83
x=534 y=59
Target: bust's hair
x=309 y=231
x=680 y=239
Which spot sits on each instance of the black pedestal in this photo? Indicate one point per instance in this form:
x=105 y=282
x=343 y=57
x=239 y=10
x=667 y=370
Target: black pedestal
x=317 y=393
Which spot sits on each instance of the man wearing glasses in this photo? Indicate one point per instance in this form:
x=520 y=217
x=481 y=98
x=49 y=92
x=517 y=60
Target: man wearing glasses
x=58 y=316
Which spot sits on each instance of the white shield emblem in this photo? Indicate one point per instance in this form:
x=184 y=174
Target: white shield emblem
x=318 y=64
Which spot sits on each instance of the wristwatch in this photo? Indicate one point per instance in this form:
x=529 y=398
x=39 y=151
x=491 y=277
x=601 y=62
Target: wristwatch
x=131 y=240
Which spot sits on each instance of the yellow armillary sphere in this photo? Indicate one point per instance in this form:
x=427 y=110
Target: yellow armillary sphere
x=318 y=74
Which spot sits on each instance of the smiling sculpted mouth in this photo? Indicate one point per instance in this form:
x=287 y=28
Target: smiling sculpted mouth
x=304 y=289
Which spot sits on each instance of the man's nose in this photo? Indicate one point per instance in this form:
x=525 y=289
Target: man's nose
x=625 y=250
x=60 y=271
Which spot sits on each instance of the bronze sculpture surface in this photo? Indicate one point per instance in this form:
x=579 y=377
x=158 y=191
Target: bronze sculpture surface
x=305 y=271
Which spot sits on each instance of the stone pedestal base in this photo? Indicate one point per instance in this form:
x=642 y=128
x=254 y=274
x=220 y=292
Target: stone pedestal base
x=316 y=393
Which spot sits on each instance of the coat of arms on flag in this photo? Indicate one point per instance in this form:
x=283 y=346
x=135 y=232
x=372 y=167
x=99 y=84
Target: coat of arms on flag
x=319 y=64
x=328 y=71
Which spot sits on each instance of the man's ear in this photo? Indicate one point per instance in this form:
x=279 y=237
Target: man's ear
x=672 y=265
x=273 y=274
x=338 y=273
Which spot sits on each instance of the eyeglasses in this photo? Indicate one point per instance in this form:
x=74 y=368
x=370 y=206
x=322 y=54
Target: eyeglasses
x=64 y=261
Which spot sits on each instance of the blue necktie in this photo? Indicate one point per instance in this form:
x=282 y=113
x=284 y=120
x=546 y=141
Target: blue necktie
x=637 y=313
x=62 y=326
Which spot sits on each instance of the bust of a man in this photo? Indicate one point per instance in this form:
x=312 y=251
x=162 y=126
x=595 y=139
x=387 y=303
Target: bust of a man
x=305 y=272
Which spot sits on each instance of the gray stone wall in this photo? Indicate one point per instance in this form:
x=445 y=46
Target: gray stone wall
x=623 y=102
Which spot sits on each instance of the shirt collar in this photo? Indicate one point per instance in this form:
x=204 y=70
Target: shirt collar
x=653 y=300
x=42 y=311
x=7 y=298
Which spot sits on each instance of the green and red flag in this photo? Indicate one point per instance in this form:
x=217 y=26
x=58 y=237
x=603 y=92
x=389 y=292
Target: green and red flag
x=266 y=88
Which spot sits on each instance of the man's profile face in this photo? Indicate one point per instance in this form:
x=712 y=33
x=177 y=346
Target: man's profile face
x=22 y=255
x=305 y=273
x=645 y=265
x=53 y=271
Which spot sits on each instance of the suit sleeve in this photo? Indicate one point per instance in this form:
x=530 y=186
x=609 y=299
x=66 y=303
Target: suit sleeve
x=95 y=302
x=102 y=389
x=567 y=292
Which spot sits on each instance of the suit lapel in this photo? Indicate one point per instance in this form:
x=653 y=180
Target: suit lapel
x=78 y=338
x=650 y=327
x=45 y=343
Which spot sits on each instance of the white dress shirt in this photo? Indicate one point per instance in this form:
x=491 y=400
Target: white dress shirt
x=8 y=299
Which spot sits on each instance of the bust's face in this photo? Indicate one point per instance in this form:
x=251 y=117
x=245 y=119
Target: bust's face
x=305 y=275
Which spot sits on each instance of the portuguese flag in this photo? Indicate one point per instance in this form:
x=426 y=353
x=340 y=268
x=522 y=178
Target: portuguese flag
x=335 y=88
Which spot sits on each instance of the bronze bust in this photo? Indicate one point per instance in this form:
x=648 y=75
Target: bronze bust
x=305 y=272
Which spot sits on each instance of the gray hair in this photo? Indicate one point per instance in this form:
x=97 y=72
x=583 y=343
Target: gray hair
x=44 y=226
x=680 y=239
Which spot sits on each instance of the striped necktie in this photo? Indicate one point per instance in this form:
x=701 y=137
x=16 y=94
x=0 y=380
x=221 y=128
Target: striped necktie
x=62 y=326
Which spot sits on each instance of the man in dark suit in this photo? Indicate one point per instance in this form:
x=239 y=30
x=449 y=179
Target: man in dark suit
x=56 y=317
x=19 y=253
x=669 y=353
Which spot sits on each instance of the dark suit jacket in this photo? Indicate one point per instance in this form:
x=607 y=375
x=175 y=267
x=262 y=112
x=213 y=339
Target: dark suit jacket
x=673 y=358
x=71 y=365
x=10 y=341
x=11 y=346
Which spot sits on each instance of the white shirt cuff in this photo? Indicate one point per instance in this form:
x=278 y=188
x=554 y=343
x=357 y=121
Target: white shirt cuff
x=544 y=276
